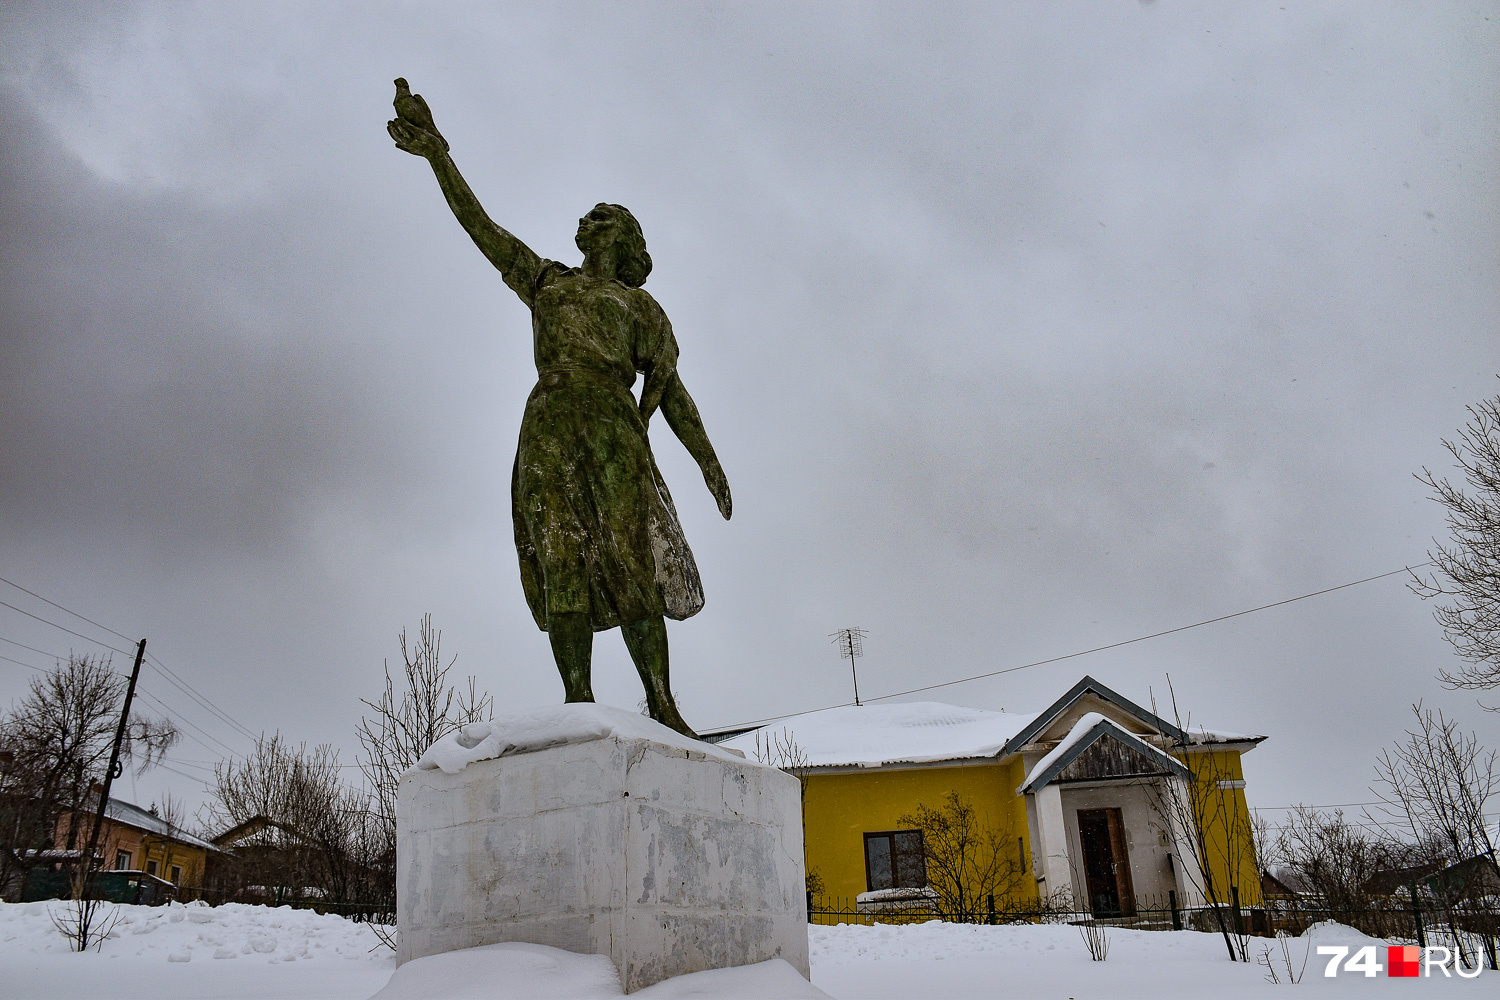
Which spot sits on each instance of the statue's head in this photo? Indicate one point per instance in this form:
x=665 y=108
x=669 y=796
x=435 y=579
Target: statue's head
x=607 y=225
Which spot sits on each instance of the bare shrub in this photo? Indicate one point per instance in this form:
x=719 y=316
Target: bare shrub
x=968 y=860
x=1095 y=939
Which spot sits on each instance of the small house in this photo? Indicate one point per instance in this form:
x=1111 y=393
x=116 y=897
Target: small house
x=136 y=839
x=1091 y=804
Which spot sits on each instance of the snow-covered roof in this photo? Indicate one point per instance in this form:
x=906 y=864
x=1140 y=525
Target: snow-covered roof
x=1089 y=728
x=926 y=731
x=120 y=811
x=870 y=735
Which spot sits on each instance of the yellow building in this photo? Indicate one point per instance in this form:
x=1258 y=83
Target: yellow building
x=136 y=839
x=1093 y=803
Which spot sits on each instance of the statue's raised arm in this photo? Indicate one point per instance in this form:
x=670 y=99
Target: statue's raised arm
x=414 y=131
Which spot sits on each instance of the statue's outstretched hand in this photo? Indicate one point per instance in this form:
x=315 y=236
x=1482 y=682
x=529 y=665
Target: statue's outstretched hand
x=414 y=140
x=413 y=129
x=718 y=485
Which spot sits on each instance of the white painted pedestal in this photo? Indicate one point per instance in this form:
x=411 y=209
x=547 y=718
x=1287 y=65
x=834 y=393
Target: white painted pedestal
x=667 y=860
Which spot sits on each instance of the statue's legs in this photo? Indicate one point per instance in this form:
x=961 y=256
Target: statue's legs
x=647 y=642
x=572 y=637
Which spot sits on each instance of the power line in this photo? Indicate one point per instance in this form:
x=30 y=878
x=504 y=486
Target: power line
x=1096 y=649
x=1153 y=635
x=55 y=656
x=20 y=663
x=184 y=774
x=80 y=635
x=68 y=610
x=180 y=718
x=201 y=699
x=171 y=676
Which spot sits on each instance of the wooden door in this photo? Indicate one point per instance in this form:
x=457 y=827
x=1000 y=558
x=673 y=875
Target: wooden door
x=1106 y=863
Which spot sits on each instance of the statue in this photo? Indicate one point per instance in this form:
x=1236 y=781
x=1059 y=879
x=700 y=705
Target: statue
x=596 y=532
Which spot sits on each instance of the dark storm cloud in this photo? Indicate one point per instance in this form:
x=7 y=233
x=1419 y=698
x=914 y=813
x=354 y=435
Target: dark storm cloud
x=1019 y=330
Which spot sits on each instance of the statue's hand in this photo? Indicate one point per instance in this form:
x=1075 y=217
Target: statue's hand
x=718 y=485
x=414 y=140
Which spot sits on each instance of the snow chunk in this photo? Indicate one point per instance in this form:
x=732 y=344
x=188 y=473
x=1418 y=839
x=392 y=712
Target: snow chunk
x=911 y=732
x=504 y=970
x=558 y=725
x=516 y=970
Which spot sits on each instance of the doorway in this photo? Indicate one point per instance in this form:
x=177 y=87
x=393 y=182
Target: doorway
x=1106 y=864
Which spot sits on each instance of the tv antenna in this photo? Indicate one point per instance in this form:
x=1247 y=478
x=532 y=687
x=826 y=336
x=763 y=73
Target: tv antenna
x=851 y=646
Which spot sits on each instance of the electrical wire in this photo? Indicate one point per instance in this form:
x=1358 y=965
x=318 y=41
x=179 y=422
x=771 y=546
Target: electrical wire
x=178 y=717
x=55 y=656
x=170 y=675
x=68 y=610
x=203 y=700
x=44 y=621
x=21 y=663
x=1086 y=652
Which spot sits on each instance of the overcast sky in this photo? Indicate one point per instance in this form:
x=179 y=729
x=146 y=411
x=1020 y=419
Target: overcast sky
x=1019 y=329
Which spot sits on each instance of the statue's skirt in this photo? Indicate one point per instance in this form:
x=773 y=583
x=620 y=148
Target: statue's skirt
x=595 y=527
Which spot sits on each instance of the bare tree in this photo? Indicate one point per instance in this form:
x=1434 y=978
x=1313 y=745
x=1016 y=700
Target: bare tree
x=306 y=820
x=57 y=744
x=1469 y=569
x=1436 y=784
x=1332 y=860
x=1221 y=834
x=406 y=721
x=968 y=860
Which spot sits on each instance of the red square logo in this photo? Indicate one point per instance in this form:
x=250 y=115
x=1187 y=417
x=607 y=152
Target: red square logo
x=1403 y=960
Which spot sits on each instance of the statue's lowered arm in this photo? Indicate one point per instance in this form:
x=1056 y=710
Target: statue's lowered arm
x=517 y=263
x=682 y=416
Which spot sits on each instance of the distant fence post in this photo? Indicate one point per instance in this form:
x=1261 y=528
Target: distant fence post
x=809 y=906
x=990 y=915
x=1176 y=913
x=1416 y=916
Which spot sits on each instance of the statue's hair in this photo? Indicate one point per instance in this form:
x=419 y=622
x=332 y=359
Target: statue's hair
x=632 y=260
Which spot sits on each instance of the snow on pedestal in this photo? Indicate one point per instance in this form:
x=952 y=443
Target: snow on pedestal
x=599 y=831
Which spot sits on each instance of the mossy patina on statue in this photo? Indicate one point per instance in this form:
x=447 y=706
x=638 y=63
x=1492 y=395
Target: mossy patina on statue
x=597 y=535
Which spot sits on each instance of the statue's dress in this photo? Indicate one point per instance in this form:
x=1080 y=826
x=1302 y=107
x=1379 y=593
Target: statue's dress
x=595 y=527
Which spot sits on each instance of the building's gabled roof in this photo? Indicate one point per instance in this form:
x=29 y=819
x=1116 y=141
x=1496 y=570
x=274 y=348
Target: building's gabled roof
x=1089 y=686
x=924 y=732
x=1085 y=733
x=130 y=814
x=230 y=838
x=916 y=732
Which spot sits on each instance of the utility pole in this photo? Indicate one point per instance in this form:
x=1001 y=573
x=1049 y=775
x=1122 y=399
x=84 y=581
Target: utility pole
x=109 y=775
x=851 y=645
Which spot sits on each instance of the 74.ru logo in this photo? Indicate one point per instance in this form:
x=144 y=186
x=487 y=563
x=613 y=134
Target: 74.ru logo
x=1401 y=960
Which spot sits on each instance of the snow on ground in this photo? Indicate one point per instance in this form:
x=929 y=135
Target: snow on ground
x=236 y=951
x=193 y=951
x=967 y=960
x=516 y=971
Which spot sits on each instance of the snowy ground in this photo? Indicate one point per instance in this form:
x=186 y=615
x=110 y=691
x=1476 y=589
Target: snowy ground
x=249 y=952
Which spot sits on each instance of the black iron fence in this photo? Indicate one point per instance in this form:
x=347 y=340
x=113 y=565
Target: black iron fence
x=1471 y=928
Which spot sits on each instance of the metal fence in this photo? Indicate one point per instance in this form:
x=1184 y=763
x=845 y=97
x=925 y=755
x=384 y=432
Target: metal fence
x=1471 y=928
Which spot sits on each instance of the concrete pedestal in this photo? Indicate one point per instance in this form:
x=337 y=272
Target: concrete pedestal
x=665 y=859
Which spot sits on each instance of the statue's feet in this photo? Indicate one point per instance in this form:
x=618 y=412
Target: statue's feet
x=672 y=719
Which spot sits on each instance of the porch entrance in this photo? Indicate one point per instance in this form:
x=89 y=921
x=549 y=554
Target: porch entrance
x=1106 y=865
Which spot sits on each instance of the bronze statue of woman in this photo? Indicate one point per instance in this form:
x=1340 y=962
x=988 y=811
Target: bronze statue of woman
x=596 y=532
